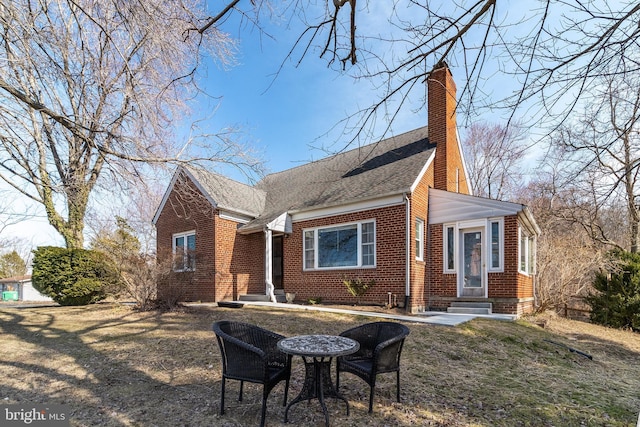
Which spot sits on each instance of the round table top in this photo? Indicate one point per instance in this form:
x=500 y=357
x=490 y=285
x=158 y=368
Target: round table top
x=318 y=345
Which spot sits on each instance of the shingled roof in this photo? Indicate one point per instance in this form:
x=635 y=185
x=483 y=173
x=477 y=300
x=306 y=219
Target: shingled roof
x=228 y=194
x=385 y=168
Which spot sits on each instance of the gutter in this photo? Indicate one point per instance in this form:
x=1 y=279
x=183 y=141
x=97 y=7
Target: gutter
x=407 y=290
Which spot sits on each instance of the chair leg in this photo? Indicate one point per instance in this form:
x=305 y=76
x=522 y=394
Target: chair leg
x=222 y=398
x=337 y=379
x=286 y=392
x=264 y=409
x=372 y=391
x=398 y=385
x=241 y=386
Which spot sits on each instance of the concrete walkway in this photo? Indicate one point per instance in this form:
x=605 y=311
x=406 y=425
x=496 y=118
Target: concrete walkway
x=432 y=317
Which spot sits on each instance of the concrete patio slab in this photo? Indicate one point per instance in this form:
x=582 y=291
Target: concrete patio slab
x=430 y=317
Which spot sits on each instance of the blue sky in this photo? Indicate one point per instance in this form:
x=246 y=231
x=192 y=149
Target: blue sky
x=289 y=117
x=286 y=119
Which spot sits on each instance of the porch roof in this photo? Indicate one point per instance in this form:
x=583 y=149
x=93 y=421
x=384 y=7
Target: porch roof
x=446 y=206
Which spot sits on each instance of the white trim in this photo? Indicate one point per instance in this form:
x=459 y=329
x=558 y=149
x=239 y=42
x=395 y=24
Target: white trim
x=483 y=260
x=281 y=224
x=484 y=225
x=464 y=163
x=172 y=184
x=359 y=244
x=381 y=202
x=500 y=267
x=233 y=216
x=407 y=239
x=445 y=249
x=530 y=259
x=423 y=172
x=447 y=206
x=185 y=235
x=419 y=256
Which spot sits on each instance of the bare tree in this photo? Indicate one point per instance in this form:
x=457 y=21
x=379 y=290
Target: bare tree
x=89 y=93
x=602 y=163
x=545 y=54
x=566 y=255
x=494 y=157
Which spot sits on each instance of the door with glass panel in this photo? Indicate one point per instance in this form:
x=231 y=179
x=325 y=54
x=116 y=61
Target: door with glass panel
x=472 y=281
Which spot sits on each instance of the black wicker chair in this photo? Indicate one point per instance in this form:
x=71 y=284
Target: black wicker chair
x=250 y=353
x=380 y=348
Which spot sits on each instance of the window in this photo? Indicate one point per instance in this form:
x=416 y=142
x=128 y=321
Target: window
x=347 y=245
x=495 y=239
x=184 y=251
x=419 y=239
x=449 y=249
x=527 y=252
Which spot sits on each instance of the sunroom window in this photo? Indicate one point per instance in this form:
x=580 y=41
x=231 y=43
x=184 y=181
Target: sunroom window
x=449 y=249
x=496 y=230
x=342 y=246
x=527 y=252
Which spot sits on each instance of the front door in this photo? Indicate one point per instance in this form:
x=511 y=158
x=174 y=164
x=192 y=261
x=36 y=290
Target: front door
x=277 y=262
x=473 y=281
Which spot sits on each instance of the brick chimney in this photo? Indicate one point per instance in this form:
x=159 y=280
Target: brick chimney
x=449 y=173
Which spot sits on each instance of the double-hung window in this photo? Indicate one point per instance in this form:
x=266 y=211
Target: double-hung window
x=419 y=239
x=527 y=252
x=449 y=248
x=350 y=245
x=184 y=251
x=496 y=256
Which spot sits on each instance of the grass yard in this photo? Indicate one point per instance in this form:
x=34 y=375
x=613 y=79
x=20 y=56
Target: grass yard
x=116 y=367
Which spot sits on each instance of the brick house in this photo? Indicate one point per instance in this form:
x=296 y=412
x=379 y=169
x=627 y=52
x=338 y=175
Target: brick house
x=398 y=212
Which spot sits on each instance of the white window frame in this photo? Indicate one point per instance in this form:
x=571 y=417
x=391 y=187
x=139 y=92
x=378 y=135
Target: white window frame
x=500 y=267
x=185 y=254
x=315 y=230
x=445 y=247
x=526 y=252
x=419 y=239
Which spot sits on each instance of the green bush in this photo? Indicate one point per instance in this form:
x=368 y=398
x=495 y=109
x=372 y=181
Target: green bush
x=73 y=276
x=617 y=300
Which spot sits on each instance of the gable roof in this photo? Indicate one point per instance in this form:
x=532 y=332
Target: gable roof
x=223 y=193
x=388 y=167
x=227 y=194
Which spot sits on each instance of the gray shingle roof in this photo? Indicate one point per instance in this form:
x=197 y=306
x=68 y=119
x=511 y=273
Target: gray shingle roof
x=229 y=194
x=384 y=168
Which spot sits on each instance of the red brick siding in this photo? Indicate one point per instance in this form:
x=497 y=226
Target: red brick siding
x=419 y=209
x=510 y=291
x=227 y=264
x=239 y=261
x=389 y=273
x=179 y=216
x=449 y=168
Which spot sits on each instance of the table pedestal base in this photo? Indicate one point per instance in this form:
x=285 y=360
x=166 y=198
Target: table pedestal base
x=317 y=385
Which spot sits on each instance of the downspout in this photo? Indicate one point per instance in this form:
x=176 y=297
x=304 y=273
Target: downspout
x=268 y=264
x=407 y=290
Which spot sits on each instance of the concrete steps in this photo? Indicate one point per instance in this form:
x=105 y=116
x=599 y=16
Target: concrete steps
x=461 y=307
x=254 y=297
x=279 y=293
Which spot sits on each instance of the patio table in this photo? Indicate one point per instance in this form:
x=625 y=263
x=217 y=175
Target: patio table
x=318 y=351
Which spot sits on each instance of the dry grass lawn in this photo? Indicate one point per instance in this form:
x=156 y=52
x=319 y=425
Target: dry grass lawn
x=116 y=367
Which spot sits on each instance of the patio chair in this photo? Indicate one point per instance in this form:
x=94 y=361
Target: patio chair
x=250 y=353
x=380 y=348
